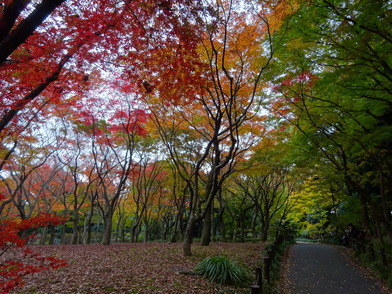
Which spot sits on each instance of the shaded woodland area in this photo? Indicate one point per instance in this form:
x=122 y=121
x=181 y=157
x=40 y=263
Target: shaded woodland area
x=194 y=121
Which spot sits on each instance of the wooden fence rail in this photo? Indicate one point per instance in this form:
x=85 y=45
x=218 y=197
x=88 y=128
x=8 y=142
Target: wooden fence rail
x=264 y=273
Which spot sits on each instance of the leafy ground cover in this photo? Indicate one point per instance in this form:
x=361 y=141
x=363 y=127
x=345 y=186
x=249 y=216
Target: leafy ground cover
x=136 y=268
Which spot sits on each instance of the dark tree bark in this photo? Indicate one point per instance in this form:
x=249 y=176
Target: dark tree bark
x=12 y=39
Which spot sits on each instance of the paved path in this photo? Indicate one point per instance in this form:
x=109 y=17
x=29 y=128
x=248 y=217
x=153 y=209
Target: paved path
x=322 y=269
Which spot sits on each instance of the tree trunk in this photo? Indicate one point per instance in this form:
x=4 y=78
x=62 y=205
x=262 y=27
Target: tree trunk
x=207 y=225
x=26 y=28
x=222 y=227
x=88 y=229
x=264 y=232
x=177 y=231
x=43 y=236
x=122 y=233
x=242 y=228
x=133 y=233
x=188 y=236
x=265 y=226
x=221 y=223
x=74 y=239
x=254 y=222
x=146 y=228
x=107 y=230
x=62 y=234
x=52 y=235
x=386 y=212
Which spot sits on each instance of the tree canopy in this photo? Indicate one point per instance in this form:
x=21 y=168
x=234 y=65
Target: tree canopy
x=181 y=119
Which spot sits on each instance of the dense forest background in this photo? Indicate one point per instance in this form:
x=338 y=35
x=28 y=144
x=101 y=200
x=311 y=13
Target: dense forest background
x=174 y=120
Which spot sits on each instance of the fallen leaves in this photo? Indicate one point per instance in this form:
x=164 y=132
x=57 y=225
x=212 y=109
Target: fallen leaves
x=135 y=268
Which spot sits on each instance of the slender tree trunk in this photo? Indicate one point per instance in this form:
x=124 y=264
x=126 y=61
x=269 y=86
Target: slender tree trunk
x=379 y=233
x=134 y=231
x=265 y=226
x=254 y=221
x=98 y=233
x=62 y=234
x=85 y=229
x=386 y=214
x=74 y=239
x=222 y=227
x=264 y=233
x=43 y=236
x=242 y=228
x=138 y=231
x=107 y=230
x=122 y=232
x=24 y=29
x=146 y=228
x=188 y=236
x=364 y=203
x=177 y=233
x=232 y=233
x=221 y=223
x=207 y=225
x=89 y=225
x=52 y=235
x=118 y=230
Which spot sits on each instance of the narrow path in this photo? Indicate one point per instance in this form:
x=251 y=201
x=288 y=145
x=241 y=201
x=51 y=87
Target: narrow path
x=314 y=268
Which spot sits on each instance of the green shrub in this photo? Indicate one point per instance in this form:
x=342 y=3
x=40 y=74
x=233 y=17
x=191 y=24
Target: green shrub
x=221 y=270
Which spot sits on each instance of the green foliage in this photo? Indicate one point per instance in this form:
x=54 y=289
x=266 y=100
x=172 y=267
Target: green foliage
x=331 y=82
x=348 y=211
x=369 y=255
x=222 y=270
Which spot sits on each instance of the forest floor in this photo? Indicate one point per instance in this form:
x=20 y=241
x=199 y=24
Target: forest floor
x=135 y=268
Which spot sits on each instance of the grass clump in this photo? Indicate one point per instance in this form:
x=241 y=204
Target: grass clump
x=221 y=270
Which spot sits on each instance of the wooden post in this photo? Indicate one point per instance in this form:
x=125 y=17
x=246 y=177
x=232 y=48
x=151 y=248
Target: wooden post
x=259 y=279
x=273 y=245
x=267 y=268
x=280 y=238
x=270 y=255
x=371 y=252
x=255 y=289
x=383 y=257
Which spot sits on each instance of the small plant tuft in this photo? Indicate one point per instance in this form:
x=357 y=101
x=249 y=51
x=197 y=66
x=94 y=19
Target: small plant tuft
x=221 y=270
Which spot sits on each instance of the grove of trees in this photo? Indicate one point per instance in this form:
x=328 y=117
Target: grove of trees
x=179 y=119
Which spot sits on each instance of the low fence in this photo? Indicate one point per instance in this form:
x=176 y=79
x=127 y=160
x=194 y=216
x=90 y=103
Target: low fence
x=263 y=273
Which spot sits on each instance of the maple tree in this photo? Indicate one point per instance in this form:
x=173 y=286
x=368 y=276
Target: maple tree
x=17 y=233
x=147 y=192
x=269 y=194
x=219 y=122
x=26 y=205
x=67 y=41
x=258 y=197
x=113 y=141
x=30 y=155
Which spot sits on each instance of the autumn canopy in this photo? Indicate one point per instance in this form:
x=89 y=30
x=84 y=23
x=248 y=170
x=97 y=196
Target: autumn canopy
x=142 y=120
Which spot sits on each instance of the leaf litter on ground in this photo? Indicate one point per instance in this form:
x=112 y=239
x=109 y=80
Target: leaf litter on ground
x=136 y=268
